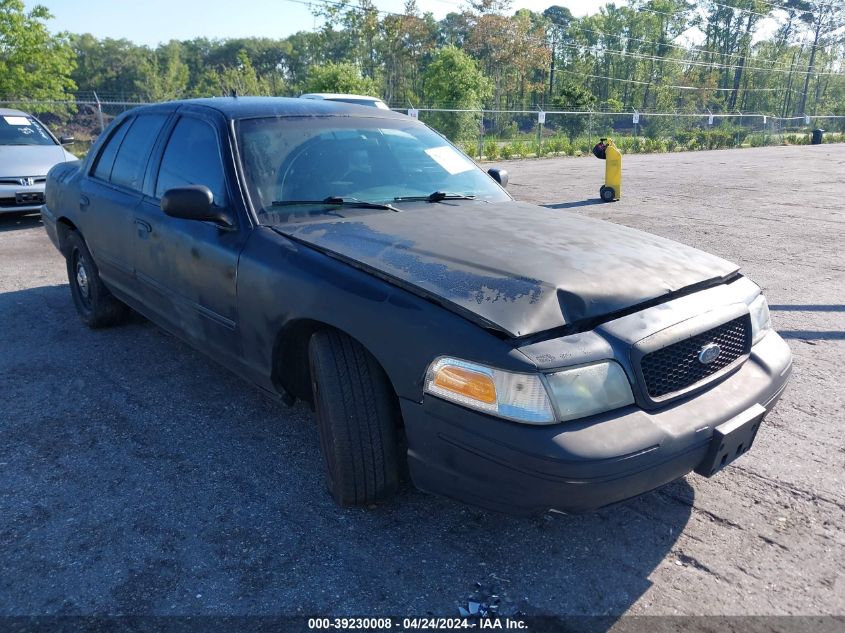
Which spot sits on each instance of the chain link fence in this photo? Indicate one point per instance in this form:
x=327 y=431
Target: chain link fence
x=493 y=134
x=503 y=134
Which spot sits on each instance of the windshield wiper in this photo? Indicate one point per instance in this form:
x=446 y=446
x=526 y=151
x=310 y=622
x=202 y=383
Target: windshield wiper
x=337 y=201
x=437 y=196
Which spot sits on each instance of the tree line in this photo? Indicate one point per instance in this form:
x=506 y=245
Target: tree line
x=639 y=56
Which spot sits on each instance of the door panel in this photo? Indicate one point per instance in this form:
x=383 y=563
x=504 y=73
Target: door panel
x=110 y=195
x=187 y=272
x=106 y=222
x=188 y=268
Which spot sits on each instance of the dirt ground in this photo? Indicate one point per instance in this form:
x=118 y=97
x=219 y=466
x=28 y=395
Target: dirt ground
x=136 y=477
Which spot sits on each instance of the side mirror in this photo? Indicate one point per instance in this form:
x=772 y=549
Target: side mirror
x=194 y=202
x=499 y=175
x=66 y=140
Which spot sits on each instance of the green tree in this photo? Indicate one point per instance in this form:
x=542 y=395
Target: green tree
x=33 y=63
x=572 y=96
x=111 y=68
x=240 y=78
x=164 y=76
x=453 y=80
x=406 y=43
x=342 y=77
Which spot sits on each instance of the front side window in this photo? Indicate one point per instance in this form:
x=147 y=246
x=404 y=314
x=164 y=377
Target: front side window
x=23 y=130
x=131 y=160
x=192 y=157
x=310 y=159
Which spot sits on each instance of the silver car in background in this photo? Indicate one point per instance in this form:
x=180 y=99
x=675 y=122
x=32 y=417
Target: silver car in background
x=27 y=152
x=363 y=100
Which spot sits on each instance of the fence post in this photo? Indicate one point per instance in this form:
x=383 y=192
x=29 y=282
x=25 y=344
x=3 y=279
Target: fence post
x=481 y=135
x=590 y=125
x=539 y=136
x=100 y=113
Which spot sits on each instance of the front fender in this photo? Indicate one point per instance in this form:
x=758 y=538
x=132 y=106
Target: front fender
x=281 y=281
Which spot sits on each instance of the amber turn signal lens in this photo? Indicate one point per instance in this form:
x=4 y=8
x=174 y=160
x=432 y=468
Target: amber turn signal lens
x=466 y=382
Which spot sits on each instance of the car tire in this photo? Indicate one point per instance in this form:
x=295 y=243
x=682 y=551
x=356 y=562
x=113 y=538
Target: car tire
x=608 y=194
x=96 y=306
x=357 y=418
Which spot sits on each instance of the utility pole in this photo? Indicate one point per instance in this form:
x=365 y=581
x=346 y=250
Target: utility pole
x=787 y=95
x=812 y=62
x=552 y=69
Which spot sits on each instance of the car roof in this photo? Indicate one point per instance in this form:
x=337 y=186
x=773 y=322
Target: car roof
x=253 y=107
x=336 y=95
x=10 y=112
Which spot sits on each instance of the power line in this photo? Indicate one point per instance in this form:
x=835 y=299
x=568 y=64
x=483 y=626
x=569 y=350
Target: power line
x=740 y=9
x=659 y=85
x=676 y=46
x=693 y=62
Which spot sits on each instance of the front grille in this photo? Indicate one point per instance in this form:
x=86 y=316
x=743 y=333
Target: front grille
x=676 y=366
x=36 y=180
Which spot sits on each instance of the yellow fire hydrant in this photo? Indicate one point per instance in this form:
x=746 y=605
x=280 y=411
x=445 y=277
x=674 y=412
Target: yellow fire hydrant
x=612 y=188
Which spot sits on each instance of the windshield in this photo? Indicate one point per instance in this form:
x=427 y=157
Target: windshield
x=23 y=130
x=291 y=159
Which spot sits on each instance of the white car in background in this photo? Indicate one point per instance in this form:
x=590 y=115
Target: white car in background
x=27 y=152
x=373 y=102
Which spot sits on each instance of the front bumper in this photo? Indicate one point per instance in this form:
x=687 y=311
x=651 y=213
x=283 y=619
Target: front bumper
x=51 y=226
x=10 y=196
x=586 y=464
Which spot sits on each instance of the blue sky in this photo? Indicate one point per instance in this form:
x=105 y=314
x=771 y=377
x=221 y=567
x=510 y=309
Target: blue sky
x=154 y=21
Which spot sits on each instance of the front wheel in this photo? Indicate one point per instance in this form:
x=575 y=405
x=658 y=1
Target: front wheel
x=608 y=194
x=357 y=418
x=95 y=304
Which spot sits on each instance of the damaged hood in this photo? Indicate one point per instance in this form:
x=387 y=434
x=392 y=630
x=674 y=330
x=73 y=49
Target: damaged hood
x=513 y=266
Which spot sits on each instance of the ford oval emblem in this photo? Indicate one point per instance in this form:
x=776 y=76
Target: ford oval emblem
x=709 y=353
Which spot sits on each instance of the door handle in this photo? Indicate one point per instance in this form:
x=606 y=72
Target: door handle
x=83 y=203
x=144 y=228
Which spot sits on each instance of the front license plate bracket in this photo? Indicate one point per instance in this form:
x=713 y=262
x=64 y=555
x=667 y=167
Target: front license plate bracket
x=29 y=197
x=731 y=439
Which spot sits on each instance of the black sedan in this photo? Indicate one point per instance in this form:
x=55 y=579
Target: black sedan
x=516 y=357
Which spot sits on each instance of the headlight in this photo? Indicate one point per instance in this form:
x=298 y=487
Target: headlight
x=589 y=389
x=761 y=321
x=569 y=394
x=519 y=397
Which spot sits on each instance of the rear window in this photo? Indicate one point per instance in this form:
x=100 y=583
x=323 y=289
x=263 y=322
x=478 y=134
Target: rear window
x=105 y=160
x=131 y=160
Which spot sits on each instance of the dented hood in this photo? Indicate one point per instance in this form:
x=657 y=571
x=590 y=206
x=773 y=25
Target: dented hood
x=513 y=266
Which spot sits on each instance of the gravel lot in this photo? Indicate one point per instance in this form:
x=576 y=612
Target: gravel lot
x=136 y=477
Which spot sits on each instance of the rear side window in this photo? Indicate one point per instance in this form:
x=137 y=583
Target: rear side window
x=192 y=157
x=105 y=161
x=131 y=160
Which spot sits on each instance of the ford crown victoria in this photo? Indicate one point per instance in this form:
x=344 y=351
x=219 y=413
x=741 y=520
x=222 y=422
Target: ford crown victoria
x=516 y=357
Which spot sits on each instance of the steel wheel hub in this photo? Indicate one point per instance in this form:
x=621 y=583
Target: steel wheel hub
x=82 y=279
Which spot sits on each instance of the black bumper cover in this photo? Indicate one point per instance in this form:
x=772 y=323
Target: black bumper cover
x=587 y=464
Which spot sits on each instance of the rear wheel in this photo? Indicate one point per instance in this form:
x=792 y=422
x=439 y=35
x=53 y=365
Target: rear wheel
x=357 y=418
x=95 y=304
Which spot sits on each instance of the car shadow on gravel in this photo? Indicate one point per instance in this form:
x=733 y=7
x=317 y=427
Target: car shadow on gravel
x=17 y=222
x=140 y=478
x=571 y=205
